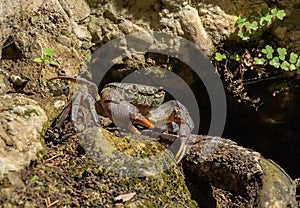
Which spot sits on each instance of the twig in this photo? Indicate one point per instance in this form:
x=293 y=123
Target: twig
x=51 y=158
x=48 y=202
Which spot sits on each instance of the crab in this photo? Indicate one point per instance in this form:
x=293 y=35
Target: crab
x=128 y=105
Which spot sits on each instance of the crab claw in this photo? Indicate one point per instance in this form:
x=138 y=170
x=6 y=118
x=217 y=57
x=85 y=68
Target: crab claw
x=181 y=151
x=174 y=117
x=123 y=114
x=138 y=118
x=184 y=136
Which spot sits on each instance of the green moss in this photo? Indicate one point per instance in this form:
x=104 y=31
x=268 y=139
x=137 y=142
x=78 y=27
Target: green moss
x=74 y=178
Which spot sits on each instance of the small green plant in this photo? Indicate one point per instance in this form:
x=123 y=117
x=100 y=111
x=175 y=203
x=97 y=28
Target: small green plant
x=235 y=56
x=279 y=59
x=219 y=56
x=47 y=55
x=257 y=21
x=35 y=180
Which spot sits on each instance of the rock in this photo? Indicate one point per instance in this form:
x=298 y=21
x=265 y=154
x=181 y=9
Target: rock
x=10 y=13
x=128 y=27
x=287 y=32
x=59 y=104
x=64 y=41
x=280 y=32
x=194 y=30
x=94 y=27
x=17 y=81
x=21 y=124
x=218 y=23
x=111 y=14
x=225 y=165
x=2 y=82
x=28 y=7
x=79 y=30
x=173 y=4
x=140 y=40
x=80 y=9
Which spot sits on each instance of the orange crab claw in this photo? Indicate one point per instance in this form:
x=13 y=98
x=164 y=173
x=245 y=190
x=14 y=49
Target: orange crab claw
x=142 y=121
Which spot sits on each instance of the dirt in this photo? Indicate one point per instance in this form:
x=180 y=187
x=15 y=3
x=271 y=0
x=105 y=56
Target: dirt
x=66 y=176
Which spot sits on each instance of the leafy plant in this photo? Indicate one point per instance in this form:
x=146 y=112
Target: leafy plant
x=235 y=56
x=275 y=62
x=259 y=61
x=47 y=54
x=280 y=59
x=268 y=55
x=282 y=52
x=219 y=56
x=277 y=58
x=35 y=180
x=257 y=21
x=268 y=50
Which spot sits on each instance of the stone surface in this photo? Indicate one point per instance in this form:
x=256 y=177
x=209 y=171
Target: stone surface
x=287 y=32
x=79 y=9
x=21 y=122
x=195 y=32
x=218 y=20
x=11 y=12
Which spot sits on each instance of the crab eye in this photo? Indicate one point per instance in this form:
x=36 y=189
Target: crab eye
x=160 y=92
x=134 y=89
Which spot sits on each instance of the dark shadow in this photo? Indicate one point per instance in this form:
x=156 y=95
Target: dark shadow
x=10 y=51
x=200 y=191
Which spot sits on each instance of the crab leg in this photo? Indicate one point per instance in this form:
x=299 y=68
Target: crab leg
x=173 y=116
x=91 y=88
x=88 y=93
x=75 y=106
x=183 y=141
x=64 y=115
x=91 y=103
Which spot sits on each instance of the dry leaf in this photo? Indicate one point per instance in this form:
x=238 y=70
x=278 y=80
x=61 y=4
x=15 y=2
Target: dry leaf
x=125 y=197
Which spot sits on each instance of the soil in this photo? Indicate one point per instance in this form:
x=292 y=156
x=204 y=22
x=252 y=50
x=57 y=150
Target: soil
x=64 y=175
